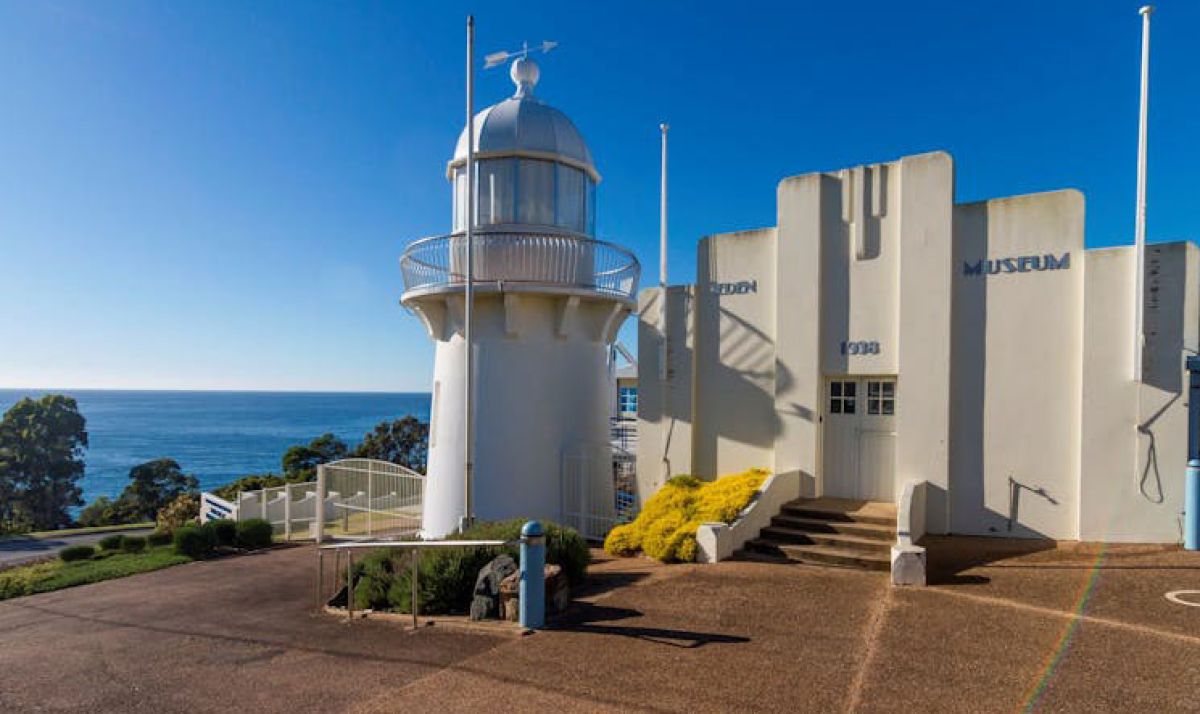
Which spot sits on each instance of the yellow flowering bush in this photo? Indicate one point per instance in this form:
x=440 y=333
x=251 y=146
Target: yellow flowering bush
x=666 y=527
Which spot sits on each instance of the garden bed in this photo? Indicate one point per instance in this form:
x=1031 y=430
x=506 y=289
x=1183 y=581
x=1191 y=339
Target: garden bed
x=56 y=574
x=118 y=556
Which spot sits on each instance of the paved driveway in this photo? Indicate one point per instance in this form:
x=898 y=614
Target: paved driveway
x=19 y=550
x=1076 y=630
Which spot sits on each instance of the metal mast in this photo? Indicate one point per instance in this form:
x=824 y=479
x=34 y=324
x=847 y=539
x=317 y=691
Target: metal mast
x=662 y=258
x=469 y=460
x=1139 y=296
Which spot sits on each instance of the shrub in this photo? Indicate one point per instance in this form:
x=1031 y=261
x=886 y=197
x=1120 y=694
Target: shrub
x=183 y=510
x=447 y=577
x=254 y=533
x=111 y=542
x=254 y=482
x=73 y=553
x=158 y=538
x=666 y=527
x=194 y=541
x=224 y=531
x=133 y=544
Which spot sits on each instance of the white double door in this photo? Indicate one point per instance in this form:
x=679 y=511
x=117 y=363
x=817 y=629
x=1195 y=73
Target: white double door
x=859 y=446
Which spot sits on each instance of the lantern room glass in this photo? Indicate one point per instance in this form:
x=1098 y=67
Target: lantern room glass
x=523 y=191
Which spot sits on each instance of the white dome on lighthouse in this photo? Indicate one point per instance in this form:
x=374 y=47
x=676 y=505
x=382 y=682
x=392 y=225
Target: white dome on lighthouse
x=523 y=125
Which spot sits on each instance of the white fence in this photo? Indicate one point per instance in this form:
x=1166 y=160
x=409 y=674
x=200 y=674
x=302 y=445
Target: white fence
x=358 y=498
x=291 y=509
x=598 y=489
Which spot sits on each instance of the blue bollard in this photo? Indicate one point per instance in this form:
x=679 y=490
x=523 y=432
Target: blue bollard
x=1191 y=507
x=533 y=576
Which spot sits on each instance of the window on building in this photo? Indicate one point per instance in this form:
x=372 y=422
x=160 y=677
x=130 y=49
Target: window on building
x=627 y=399
x=881 y=396
x=571 y=203
x=842 y=396
x=460 y=199
x=535 y=192
x=495 y=192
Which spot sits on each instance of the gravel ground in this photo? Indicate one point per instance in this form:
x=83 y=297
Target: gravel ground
x=739 y=636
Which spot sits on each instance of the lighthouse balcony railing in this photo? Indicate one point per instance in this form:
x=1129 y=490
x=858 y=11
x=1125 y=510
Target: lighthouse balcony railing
x=516 y=259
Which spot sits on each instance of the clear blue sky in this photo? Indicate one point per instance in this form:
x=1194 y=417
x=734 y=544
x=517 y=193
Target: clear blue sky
x=214 y=194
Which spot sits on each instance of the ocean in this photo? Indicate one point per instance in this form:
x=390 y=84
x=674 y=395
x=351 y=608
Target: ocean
x=215 y=436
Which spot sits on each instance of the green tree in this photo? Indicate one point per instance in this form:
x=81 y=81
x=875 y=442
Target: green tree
x=105 y=511
x=402 y=441
x=253 y=482
x=300 y=462
x=154 y=484
x=41 y=461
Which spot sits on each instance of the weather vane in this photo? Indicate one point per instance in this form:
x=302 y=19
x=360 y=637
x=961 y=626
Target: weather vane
x=498 y=58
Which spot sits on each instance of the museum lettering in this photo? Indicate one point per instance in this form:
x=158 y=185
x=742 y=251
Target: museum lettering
x=1022 y=264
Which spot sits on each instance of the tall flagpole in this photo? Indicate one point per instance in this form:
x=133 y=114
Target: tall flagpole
x=662 y=257
x=1139 y=296
x=468 y=446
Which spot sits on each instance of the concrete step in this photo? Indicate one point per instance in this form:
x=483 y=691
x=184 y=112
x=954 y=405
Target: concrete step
x=835 y=540
x=821 y=525
x=841 y=510
x=819 y=555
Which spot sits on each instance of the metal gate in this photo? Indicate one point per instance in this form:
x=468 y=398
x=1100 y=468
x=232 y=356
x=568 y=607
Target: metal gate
x=366 y=498
x=598 y=489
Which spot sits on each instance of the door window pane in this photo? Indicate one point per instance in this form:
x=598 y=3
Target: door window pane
x=881 y=396
x=841 y=397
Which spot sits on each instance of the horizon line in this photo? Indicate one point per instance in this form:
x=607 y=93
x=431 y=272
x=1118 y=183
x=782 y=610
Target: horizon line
x=208 y=390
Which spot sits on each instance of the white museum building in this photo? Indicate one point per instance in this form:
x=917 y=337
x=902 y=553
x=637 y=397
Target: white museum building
x=881 y=334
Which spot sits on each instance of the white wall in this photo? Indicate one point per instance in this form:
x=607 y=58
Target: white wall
x=541 y=391
x=860 y=271
x=1131 y=482
x=664 y=414
x=734 y=382
x=923 y=391
x=1018 y=359
x=801 y=207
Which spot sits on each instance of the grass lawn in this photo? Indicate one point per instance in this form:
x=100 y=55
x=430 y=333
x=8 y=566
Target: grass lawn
x=56 y=575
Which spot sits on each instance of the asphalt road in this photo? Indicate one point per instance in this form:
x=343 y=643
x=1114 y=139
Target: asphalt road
x=18 y=550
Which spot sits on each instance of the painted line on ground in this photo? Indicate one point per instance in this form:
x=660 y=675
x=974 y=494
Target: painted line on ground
x=1176 y=596
x=1065 y=614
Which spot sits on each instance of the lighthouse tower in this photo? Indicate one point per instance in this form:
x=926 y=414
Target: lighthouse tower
x=548 y=300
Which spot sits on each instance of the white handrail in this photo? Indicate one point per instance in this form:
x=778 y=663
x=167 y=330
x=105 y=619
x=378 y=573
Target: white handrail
x=519 y=257
x=420 y=544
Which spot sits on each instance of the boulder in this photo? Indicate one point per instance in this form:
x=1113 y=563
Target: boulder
x=558 y=593
x=486 y=602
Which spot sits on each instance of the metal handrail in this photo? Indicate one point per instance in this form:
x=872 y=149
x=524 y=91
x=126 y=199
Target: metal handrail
x=546 y=259
x=416 y=545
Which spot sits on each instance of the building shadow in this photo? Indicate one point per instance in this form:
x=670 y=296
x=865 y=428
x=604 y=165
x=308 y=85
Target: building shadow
x=588 y=618
x=601 y=582
x=949 y=557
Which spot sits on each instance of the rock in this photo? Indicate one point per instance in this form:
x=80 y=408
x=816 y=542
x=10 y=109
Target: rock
x=510 y=589
x=558 y=590
x=486 y=602
x=558 y=593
